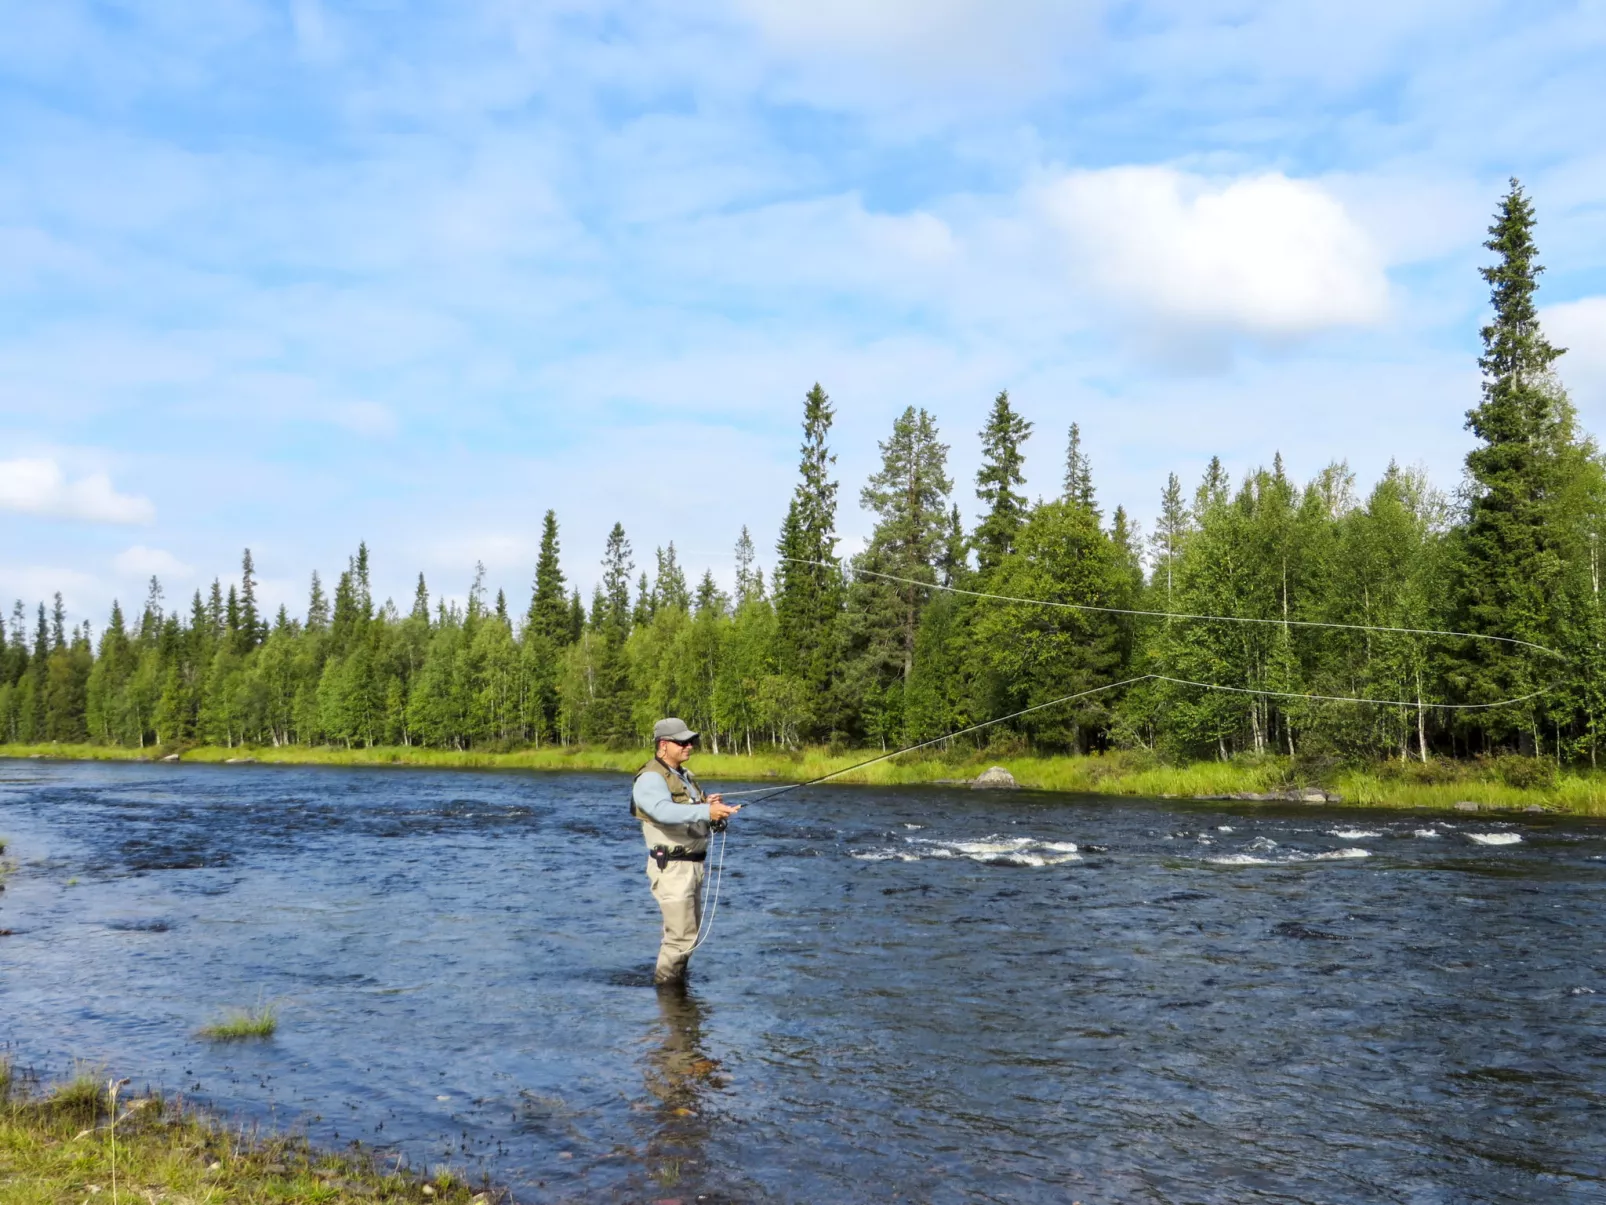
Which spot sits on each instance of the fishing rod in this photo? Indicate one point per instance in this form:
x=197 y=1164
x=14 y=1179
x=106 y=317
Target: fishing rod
x=773 y=792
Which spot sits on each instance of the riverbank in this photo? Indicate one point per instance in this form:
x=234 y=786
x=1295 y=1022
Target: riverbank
x=1500 y=783
x=81 y=1142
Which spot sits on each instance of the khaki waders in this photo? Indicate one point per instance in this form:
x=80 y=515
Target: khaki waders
x=678 y=888
x=675 y=854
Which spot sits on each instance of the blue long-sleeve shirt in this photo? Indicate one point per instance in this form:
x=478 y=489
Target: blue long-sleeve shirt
x=652 y=799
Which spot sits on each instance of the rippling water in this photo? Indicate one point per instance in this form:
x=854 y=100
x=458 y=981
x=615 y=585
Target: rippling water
x=927 y=995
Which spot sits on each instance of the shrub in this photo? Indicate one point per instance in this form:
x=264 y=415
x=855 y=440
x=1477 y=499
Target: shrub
x=1524 y=773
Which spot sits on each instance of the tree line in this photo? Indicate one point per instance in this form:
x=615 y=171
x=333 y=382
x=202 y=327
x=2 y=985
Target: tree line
x=872 y=652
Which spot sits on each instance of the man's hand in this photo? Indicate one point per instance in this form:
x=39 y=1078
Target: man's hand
x=718 y=809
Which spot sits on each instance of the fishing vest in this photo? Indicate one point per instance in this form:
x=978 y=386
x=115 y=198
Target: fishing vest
x=691 y=838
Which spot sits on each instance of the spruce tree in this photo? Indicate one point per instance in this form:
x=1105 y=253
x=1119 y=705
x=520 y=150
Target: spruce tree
x=1078 y=472
x=616 y=569
x=550 y=610
x=952 y=562
x=608 y=718
x=1000 y=473
x=711 y=599
x=646 y=603
x=808 y=585
x=909 y=495
x=150 y=621
x=577 y=616
x=318 y=606
x=669 y=589
x=252 y=630
x=1165 y=545
x=749 y=584
x=1509 y=553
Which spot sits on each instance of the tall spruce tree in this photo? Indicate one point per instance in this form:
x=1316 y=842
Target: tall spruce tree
x=549 y=614
x=1000 y=473
x=251 y=629
x=1509 y=556
x=547 y=631
x=808 y=585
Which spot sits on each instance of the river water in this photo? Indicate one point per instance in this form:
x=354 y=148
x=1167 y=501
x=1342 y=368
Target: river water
x=909 y=995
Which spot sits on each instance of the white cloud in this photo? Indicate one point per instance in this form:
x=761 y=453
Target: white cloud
x=142 y=562
x=40 y=487
x=1580 y=327
x=1263 y=255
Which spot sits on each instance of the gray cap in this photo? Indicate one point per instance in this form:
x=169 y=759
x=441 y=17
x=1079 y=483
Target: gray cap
x=672 y=729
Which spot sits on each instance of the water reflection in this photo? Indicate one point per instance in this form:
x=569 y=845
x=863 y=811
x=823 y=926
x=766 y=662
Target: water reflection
x=680 y=1077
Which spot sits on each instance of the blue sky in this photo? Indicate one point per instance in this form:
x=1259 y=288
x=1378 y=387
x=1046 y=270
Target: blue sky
x=298 y=274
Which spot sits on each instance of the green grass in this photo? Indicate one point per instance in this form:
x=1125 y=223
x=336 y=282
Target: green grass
x=242 y=1025
x=1441 y=784
x=81 y=1142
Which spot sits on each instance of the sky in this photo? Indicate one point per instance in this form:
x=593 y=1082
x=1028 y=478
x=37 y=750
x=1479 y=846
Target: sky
x=295 y=274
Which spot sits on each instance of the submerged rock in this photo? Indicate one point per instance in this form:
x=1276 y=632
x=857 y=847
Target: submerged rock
x=996 y=778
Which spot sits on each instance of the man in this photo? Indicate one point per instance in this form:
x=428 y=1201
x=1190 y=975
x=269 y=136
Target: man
x=676 y=818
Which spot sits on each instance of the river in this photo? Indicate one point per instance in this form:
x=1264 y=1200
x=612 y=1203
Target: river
x=908 y=995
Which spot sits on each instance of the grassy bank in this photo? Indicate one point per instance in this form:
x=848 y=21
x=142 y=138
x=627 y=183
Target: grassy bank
x=1508 y=782
x=80 y=1142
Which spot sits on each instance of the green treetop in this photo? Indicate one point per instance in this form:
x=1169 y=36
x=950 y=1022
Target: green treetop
x=1000 y=473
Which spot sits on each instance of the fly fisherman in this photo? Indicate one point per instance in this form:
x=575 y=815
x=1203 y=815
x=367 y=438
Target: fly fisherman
x=676 y=818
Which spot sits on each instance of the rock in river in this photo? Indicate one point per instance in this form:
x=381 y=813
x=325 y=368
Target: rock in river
x=995 y=779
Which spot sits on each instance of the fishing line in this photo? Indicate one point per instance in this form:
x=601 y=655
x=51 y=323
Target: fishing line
x=1293 y=623
x=712 y=884
x=705 y=924
x=772 y=792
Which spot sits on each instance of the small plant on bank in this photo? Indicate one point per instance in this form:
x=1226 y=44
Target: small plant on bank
x=242 y=1026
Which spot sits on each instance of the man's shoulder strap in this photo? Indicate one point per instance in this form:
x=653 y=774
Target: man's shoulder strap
x=677 y=786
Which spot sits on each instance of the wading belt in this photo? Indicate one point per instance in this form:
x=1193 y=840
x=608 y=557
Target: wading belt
x=663 y=855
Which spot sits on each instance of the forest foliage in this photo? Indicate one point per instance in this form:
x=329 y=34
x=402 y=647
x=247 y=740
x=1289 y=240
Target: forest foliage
x=871 y=651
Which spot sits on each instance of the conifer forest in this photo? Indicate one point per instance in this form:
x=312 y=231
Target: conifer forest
x=814 y=653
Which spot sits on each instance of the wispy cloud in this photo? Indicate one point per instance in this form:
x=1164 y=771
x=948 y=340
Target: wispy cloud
x=41 y=487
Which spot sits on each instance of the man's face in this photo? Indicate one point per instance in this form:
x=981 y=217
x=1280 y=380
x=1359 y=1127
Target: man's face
x=674 y=754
